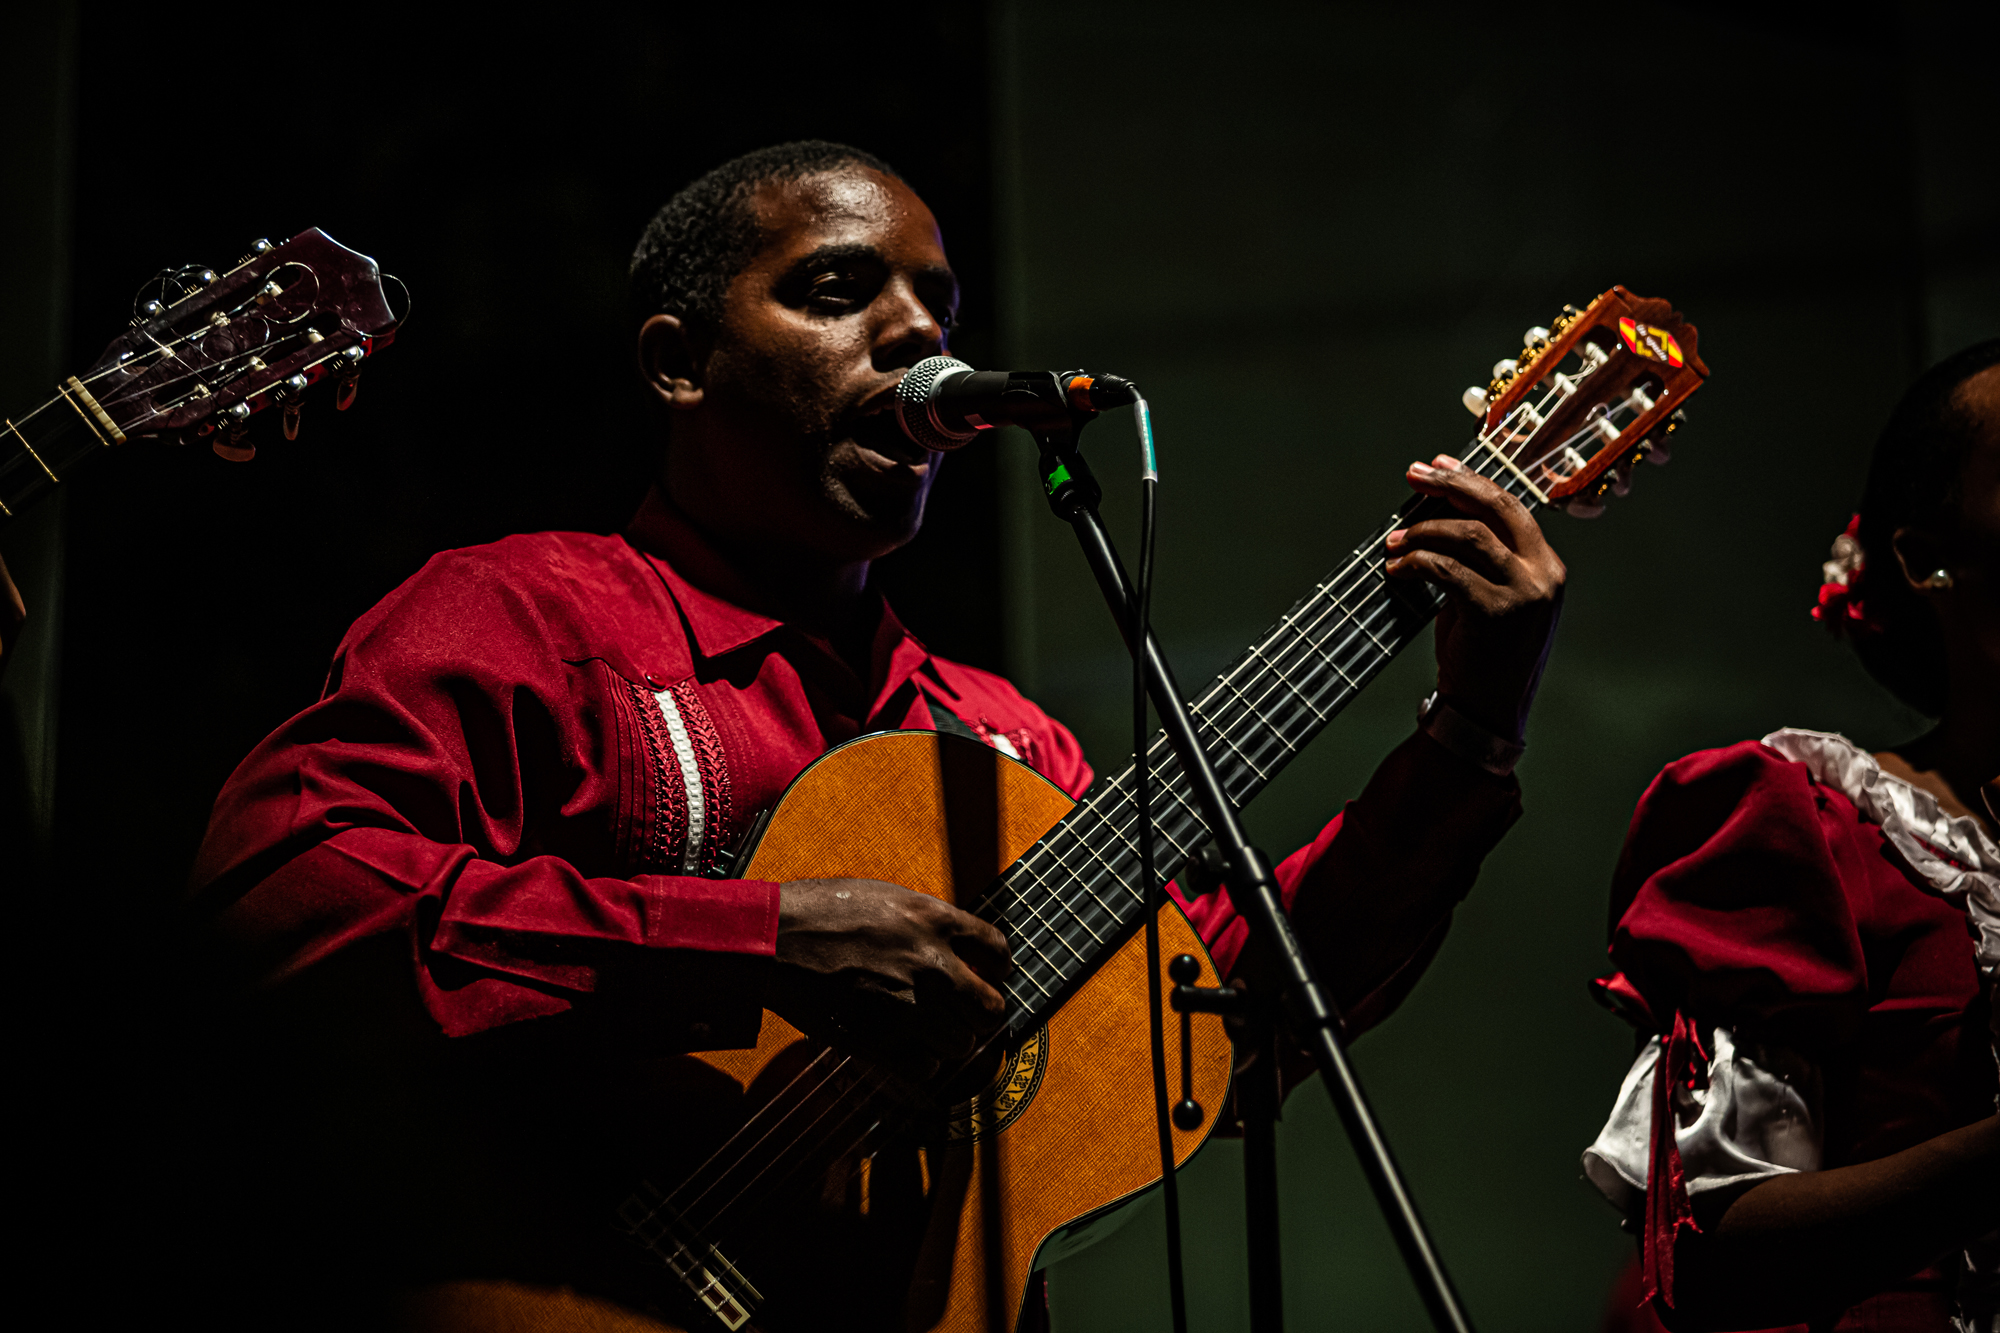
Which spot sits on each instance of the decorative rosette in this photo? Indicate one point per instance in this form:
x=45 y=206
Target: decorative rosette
x=1840 y=607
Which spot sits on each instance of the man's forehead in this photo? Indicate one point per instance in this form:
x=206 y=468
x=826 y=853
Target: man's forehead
x=842 y=207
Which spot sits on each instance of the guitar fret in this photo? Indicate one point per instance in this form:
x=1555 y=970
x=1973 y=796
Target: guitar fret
x=1052 y=893
x=1052 y=930
x=1224 y=737
x=16 y=430
x=1251 y=705
x=1112 y=870
x=1278 y=672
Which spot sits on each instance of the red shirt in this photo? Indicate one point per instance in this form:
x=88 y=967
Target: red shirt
x=526 y=755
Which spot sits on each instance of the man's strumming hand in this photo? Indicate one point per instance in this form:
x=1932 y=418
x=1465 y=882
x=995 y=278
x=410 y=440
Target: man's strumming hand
x=896 y=975
x=1505 y=584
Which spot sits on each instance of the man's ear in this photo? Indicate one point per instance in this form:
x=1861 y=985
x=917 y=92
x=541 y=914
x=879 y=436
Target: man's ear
x=670 y=363
x=1920 y=556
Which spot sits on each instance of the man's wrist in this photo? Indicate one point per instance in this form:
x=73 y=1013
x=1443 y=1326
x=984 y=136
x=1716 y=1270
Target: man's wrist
x=1467 y=739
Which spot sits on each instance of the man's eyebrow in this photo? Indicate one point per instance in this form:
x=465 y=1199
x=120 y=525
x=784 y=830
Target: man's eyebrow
x=826 y=256
x=833 y=255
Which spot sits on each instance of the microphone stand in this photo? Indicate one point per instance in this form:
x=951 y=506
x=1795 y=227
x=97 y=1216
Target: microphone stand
x=1074 y=496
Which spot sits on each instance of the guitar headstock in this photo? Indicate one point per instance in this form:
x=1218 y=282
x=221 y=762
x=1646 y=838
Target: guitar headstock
x=1588 y=398
x=207 y=350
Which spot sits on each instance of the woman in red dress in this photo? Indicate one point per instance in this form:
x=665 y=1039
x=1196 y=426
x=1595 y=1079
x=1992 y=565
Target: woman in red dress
x=1810 y=935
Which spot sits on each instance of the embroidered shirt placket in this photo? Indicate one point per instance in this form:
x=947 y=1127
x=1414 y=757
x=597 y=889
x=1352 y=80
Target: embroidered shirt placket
x=697 y=825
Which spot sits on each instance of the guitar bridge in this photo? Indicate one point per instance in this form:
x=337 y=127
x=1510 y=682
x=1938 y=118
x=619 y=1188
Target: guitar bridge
x=709 y=1277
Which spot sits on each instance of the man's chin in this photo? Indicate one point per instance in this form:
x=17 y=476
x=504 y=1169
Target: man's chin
x=881 y=510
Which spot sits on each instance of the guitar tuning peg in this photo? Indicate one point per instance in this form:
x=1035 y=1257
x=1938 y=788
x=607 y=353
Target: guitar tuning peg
x=1475 y=400
x=1621 y=480
x=228 y=442
x=1502 y=369
x=1583 y=508
x=1535 y=337
x=291 y=421
x=343 y=395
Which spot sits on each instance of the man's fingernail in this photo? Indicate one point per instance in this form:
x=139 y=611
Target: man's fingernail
x=1421 y=469
x=1396 y=537
x=1447 y=462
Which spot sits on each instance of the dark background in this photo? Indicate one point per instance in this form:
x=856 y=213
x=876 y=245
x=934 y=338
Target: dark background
x=1302 y=228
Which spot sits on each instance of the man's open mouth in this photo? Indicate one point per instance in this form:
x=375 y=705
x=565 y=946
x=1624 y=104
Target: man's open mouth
x=879 y=432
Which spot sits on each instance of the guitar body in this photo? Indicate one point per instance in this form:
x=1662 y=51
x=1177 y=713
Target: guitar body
x=1066 y=1131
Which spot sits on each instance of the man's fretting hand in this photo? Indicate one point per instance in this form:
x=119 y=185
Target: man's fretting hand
x=1506 y=587
x=895 y=975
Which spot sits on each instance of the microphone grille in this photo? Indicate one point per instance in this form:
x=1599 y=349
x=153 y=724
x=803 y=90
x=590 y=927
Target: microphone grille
x=913 y=403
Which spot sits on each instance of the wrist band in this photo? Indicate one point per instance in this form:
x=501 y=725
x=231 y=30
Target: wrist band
x=1466 y=738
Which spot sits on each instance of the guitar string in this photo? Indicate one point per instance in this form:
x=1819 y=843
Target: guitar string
x=168 y=351
x=1284 y=676
x=762 y=1171
x=166 y=348
x=1308 y=648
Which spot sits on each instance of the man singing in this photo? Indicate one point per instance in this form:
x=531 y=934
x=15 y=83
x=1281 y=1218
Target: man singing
x=476 y=881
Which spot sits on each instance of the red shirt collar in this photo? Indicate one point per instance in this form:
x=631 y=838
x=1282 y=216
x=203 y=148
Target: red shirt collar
x=712 y=597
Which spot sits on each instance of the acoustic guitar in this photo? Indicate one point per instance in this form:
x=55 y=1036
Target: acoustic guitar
x=205 y=352
x=837 y=1195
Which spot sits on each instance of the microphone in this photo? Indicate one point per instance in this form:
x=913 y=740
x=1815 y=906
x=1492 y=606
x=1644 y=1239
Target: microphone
x=943 y=403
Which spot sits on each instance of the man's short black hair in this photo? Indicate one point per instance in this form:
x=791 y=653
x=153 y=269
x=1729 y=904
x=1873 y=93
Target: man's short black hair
x=706 y=234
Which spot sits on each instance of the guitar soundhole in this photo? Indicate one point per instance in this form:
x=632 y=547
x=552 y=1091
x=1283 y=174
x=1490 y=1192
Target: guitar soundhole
x=1006 y=1096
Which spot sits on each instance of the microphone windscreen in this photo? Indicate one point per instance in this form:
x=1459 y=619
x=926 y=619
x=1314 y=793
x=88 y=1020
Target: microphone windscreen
x=915 y=411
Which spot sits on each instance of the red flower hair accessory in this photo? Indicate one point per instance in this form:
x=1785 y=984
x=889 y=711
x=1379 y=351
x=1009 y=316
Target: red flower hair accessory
x=1840 y=607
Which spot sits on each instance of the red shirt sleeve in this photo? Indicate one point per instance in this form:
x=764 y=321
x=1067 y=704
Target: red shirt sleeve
x=461 y=780
x=1371 y=897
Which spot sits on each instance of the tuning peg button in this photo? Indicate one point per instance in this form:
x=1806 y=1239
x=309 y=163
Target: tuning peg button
x=291 y=418
x=1502 y=369
x=1475 y=400
x=1535 y=337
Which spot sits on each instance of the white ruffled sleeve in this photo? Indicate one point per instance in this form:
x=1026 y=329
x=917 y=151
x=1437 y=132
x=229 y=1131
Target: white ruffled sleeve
x=1758 y=1117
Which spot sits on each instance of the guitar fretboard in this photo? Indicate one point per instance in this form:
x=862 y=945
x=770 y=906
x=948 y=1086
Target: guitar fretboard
x=38 y=449
x=1078 y=894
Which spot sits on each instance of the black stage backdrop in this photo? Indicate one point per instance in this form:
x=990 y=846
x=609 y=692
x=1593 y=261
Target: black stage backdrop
x=503 y=169
x=501 y=163
x=1304 y=228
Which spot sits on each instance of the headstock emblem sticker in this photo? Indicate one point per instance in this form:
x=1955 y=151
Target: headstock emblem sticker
x=1649 y=342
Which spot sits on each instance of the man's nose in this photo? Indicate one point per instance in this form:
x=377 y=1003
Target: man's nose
x=909 y=332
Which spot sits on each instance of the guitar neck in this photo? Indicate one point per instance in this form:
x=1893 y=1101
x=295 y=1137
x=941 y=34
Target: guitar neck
x=38 y=450
x=1078 y=894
